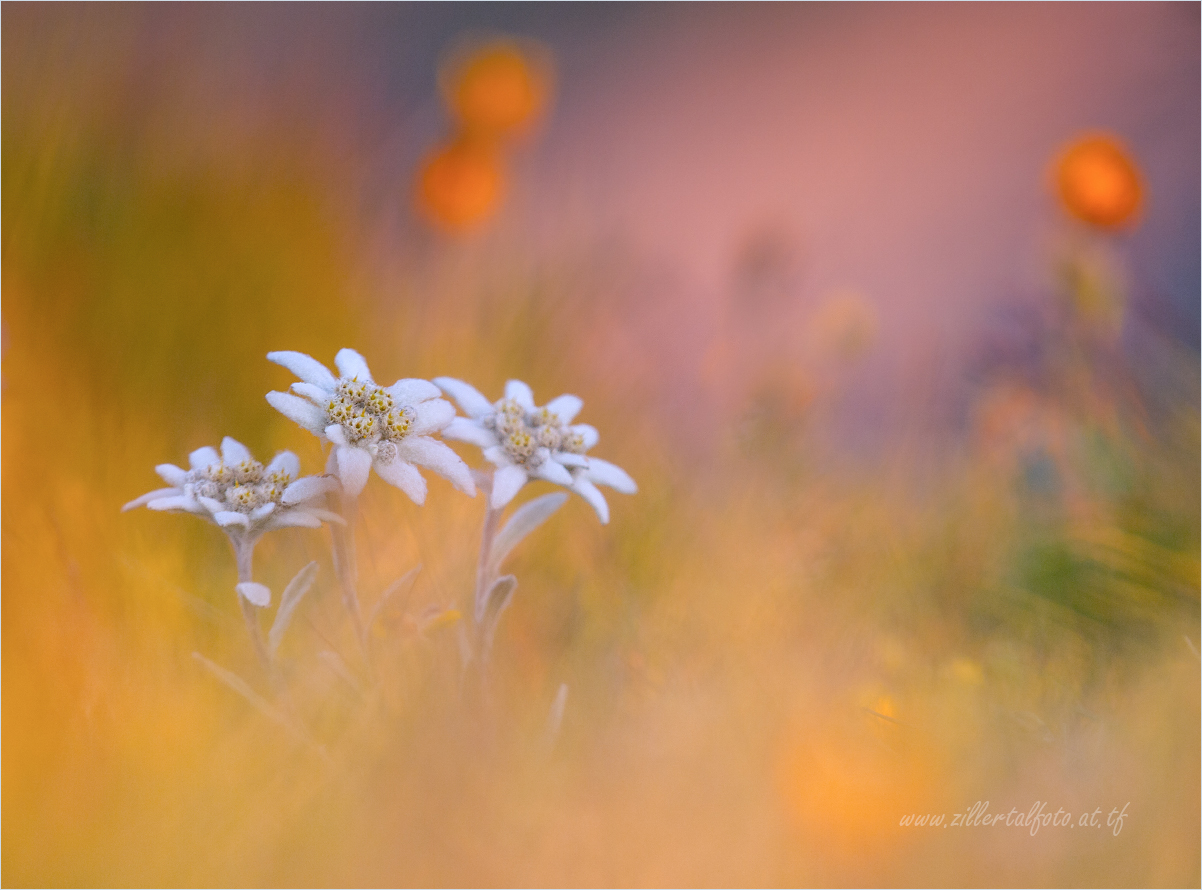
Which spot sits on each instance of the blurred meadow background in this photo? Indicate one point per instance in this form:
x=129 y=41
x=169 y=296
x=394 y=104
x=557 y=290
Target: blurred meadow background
x=891 y=311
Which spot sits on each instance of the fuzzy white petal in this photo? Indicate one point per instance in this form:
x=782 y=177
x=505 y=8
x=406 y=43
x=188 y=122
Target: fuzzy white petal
x=553 y=472
x=496 y=455
x=202 y=458
x=354 y=466
x=405 y=477
x=171 y=474
x=436 y=456
x=211 y=505
x=520 y=393
x=307 y=368
x=469 y=398
x=309 y=487
x=566 y=407
x=596 y=500
x=176 y=502
x=586 y=432
x=335 y=434
x=352 y=364
x=463 y=430
x=284 y=462
x=602 y=472
x=412 y=390
x=226 y=518
x=432 y=416
x=313 y=393
x=293 y=519
x=568 y=459
x=256 y=594
x=157 y=495
x=506 y=483
x=233 y=451
x=258 y=514
x=323 y=515
x=299 y=410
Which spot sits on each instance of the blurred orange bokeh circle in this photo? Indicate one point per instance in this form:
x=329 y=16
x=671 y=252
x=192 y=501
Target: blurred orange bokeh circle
x=848 y=790
x=459 y=186
x=496 y=90
x=1098 y=181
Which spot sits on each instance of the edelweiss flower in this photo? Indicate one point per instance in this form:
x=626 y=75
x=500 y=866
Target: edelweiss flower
x=243 y=497
x=387 y=428
x=527 y=442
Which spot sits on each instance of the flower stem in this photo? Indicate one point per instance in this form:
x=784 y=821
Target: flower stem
x=244 y=551
x=346 y=565
x=483 y=575
x=477 y=681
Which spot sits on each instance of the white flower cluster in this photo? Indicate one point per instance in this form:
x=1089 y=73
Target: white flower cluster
x=244 y=498
x=371 y=426
x=389 y=429
x=527 y=442
x=236 y=492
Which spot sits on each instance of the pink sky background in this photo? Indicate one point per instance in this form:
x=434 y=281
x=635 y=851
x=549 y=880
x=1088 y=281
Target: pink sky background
x=900 y=151
x=905 y=147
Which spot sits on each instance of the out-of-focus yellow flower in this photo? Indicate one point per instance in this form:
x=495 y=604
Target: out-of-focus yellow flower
x=885 y=707
x=965 y=671
x=846 y=325
x=437 y=618
x=460 y=185
x=1098 y=182
x=497 y=90
x=849 y=789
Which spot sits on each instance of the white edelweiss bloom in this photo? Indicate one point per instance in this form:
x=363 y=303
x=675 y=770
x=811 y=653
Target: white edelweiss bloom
x=243 y=497
x=526 y=442
x=388 y=428
x=236 y=492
